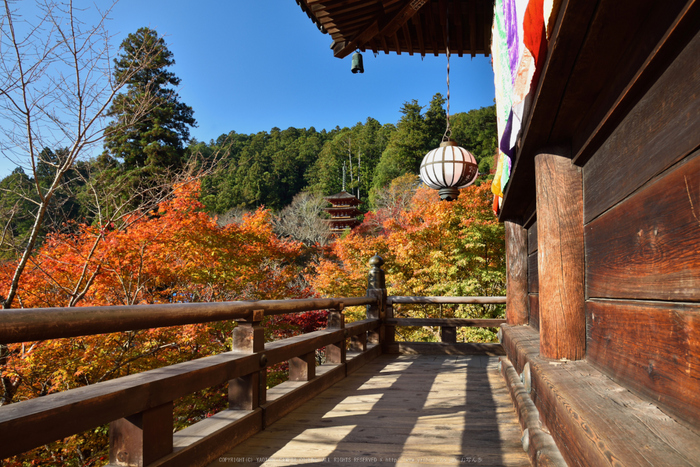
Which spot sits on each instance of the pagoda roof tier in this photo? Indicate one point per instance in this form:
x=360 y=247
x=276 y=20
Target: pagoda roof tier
x=343 y=210
x=343 y=198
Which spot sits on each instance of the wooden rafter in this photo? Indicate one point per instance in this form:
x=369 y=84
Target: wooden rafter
x=384 y=26
x=412 y=26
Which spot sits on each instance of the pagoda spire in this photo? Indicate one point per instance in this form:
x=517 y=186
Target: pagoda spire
x=343 y=175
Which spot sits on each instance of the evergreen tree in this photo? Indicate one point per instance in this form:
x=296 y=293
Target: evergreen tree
x=157 y=138
x=476 y=131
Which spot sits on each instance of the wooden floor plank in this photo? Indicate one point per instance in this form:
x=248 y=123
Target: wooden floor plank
x=398 y=410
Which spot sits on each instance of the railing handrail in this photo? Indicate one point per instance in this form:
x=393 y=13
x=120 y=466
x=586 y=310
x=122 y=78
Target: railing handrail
x=42 y=420
x=447 y=300
x=34 y=324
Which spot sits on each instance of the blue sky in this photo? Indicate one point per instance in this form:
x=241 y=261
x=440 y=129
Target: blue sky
x=250 y=66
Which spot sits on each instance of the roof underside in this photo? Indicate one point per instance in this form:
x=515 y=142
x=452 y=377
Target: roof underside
x=404 y=26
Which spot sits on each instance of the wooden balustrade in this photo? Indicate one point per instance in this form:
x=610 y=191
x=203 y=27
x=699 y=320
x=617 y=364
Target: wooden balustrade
x=448 y=326
x=139 y=407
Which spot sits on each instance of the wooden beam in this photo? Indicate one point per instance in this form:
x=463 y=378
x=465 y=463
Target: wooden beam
x=516 y=273
x=389 y=26
x=472 y=28
x=560 y=259
x=407 y=38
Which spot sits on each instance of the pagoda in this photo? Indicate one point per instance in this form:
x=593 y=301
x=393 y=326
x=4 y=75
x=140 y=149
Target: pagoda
x=343 y=211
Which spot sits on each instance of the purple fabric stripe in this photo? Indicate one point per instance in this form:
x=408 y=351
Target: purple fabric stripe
x=505 y=138
x=510 y=15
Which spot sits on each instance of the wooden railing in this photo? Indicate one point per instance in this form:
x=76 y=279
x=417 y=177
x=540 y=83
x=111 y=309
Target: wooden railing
x=448 y=327
x=139 y=407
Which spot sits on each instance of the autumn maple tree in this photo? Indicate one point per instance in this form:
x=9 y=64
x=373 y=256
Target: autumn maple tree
x=431 y=248
x=176 y=253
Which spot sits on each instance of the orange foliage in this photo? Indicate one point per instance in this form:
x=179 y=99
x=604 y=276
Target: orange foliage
x=175 y=254
x=433 y=248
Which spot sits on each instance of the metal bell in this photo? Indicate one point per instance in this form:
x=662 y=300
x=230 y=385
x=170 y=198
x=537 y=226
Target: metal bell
x=357 y=63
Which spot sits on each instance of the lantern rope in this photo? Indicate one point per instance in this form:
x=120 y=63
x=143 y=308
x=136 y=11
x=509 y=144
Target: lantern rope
x=448 y=130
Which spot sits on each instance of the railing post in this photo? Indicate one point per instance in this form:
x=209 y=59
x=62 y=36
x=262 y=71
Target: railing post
x=359 y=342
x=302 y=368
x=335 y=353
x=376 y=287
x=248 y=392
x=142 y=438
x=448 y=334
x=389 y=331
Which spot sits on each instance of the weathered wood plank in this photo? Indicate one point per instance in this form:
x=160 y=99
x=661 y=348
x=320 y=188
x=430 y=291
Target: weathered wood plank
x=284 y=349
x=532 y=238
x=534 y=318
x=290 y=396
x=660 y=34
x=659 y=131
x=516 y=271
x=560 y=257
x=142 y=438
x=388 y=410
x=595 y=421
x=26 y=424
x=647 y=247
x=356 y=360
x=23 y=325
x=655 y=351
x=533 y=278
x=614 y=38
x=542 y=449
x=201 y=443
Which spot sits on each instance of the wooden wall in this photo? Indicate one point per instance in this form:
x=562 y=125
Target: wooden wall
x=642 y=244
x=533 y=286
x=628 y=115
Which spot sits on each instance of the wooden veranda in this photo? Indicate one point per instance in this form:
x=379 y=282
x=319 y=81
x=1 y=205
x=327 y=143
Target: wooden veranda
x=443 y=403
x=398 y=410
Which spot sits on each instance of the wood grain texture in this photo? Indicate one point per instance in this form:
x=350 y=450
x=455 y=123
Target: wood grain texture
x=533 y=278
x=534 y=319
x=652 y=348
x=542 y=449
x=417 y=410
x=532 y=238
x=659 y=131
x=27 y=424
x=23 y=325
x=660 y=35
x=201 y=443
x=142 y=438
x=648 y=247
x=619 y=39
x=560 y=258
x=594 y=420
x=516 y=273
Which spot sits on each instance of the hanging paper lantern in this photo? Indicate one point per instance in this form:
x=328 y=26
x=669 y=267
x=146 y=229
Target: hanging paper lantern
x=448 y=168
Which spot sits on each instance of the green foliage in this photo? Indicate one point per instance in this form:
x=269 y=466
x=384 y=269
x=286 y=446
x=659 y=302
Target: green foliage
x=476 y=131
